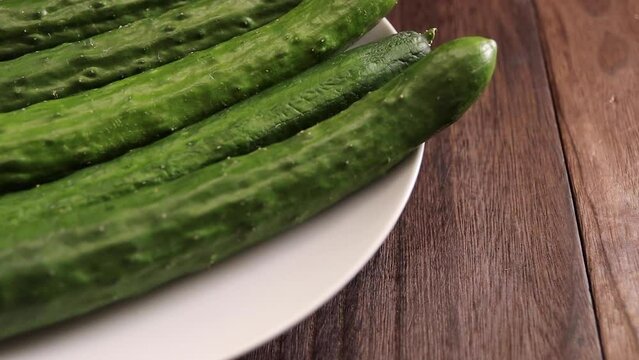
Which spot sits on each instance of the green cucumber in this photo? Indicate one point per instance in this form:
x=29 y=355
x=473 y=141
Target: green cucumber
x=27 y=25
x=49 y=140
x=268 y=117
x=64 y=266
x=142 y=45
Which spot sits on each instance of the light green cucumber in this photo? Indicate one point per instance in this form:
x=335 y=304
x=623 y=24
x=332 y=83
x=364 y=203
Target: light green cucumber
x=70 y=68
x=268 y=117
x=67 y=265
x=49 y=140
x=30 y=25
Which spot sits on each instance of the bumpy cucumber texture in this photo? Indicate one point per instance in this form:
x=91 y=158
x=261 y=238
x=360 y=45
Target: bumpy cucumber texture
x=30 y=25
x=268 y=117
x=71 y=68
x=49 y=140
x=68 y=265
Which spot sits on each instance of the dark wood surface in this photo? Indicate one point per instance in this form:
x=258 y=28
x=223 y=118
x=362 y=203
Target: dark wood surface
x=521 y=239
x=592 y=51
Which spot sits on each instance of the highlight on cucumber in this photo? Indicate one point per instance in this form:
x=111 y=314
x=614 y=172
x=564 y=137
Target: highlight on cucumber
x=110 y=191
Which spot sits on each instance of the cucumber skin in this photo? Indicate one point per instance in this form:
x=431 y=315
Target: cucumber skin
x=266 y=118
x=86 y=259
x=145 y=44
x=25 y=28
x=49 y=140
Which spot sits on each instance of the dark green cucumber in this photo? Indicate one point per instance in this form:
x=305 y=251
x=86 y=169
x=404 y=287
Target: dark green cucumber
x=48 y=140
x=68 y=265
x=268 y=117
x=139 y=46
x=27 y=25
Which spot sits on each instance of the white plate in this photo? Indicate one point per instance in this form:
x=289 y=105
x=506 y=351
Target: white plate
x=247 y=300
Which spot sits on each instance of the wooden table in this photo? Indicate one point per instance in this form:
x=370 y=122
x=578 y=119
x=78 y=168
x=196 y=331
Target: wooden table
x=521 y=239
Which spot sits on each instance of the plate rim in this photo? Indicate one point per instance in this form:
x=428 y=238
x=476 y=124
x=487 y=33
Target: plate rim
x=61 y=338
x=415 y=160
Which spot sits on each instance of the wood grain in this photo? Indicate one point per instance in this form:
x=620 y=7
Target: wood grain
x=486 y=262
x=593 y=54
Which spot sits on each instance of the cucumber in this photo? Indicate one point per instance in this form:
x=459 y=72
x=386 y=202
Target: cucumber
x=27 y=25
x=68 y=265
x=145 y=44
x=48 y=140
x=268 y=117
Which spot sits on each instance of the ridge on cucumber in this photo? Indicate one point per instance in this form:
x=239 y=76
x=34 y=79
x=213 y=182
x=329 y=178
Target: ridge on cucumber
x=30 y=25
x=49 y=140
x=58 y=268
x=268 y=117
x=139 y=46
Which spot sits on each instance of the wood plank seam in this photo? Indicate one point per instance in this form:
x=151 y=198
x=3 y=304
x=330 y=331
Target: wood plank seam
x=444 y=311
x=399 y=280
x=557 y=113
